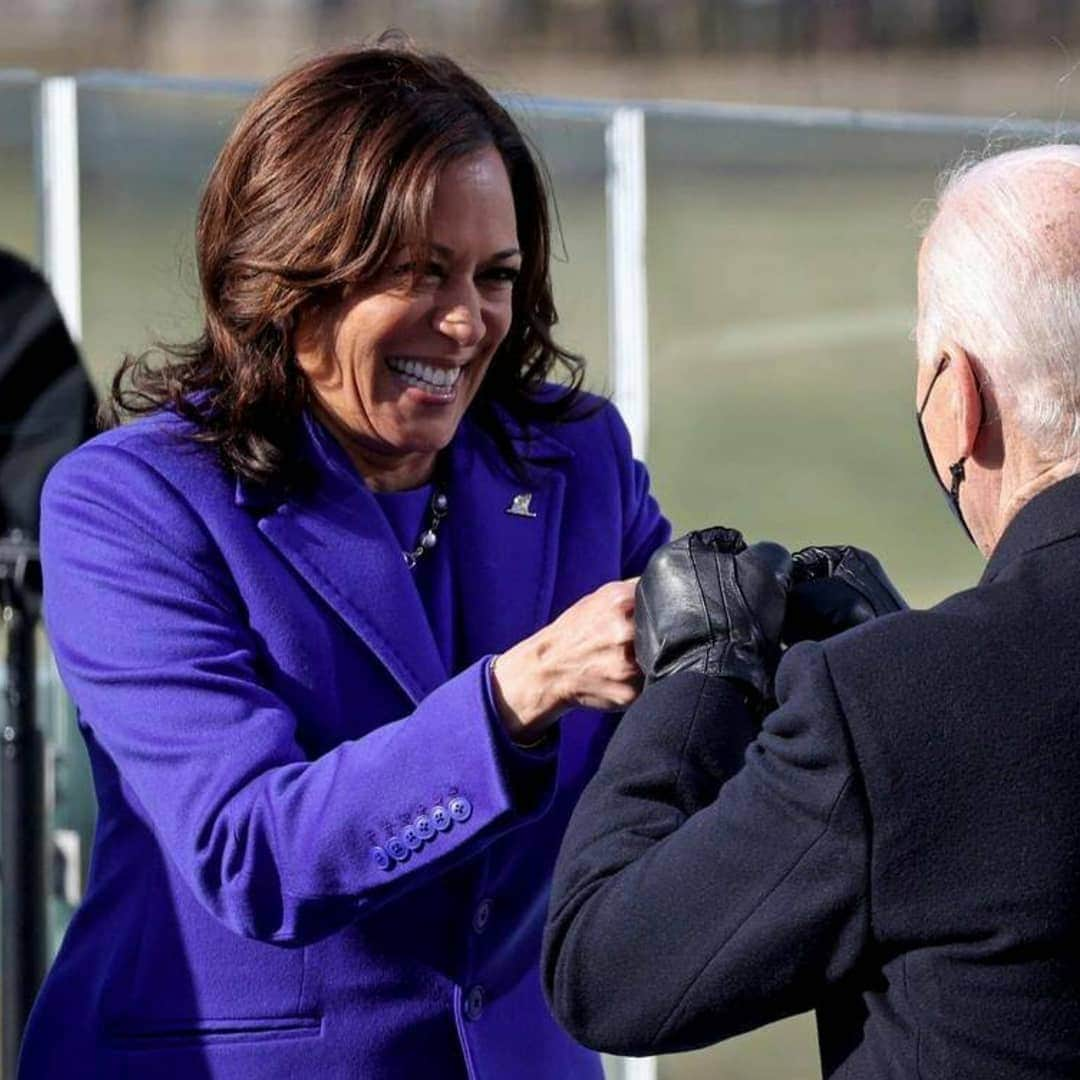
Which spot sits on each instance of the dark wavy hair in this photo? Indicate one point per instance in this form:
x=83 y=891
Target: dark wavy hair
x=329 y=172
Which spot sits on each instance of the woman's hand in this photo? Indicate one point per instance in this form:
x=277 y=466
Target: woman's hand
x=584 y=658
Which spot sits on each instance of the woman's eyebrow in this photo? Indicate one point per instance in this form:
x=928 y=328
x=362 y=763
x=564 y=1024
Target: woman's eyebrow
x=499 y=256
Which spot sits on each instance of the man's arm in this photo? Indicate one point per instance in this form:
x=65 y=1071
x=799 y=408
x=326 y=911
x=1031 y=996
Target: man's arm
x=697 y=896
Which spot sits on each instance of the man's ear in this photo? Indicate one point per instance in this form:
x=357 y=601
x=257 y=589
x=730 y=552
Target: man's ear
x=967 y=400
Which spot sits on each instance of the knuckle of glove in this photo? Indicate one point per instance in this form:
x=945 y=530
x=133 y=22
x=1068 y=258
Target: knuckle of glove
x=673 y=616
x=719 y=538
x=816 y=562
x=776 y=560
x=646 y=642
x=865 y=574
x=665 y=628
x=765 y=577
x=668 y=582
x=754 y=592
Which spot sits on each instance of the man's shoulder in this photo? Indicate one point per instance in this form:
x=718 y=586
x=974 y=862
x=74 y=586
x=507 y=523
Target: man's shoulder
x=908 y=670
x=951 y=621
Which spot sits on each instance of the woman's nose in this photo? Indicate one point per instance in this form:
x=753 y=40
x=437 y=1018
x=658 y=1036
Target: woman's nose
x=461 y=322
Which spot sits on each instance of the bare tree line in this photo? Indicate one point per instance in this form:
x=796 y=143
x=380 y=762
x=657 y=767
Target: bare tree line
x=641 y=27
x=793 y=26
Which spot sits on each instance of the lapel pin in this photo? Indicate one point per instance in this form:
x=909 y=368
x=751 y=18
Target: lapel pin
x=521 y=506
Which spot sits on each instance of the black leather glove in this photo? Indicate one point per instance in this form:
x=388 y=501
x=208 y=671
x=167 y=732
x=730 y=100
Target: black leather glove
x=707 y=602
x=834 y=589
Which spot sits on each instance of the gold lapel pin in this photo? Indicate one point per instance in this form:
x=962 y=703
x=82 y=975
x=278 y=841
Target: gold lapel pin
x=521 y=506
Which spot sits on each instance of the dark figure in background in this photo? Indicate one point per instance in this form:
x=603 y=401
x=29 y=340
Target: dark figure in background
x=47 y=404
x=897 y=845
x=46 y=408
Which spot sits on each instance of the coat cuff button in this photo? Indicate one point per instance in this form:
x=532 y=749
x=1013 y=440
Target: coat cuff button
x=380 y=858
x=460 y=808
x=474 y=1003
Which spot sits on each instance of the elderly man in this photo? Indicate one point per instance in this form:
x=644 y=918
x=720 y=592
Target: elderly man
x=897 y=844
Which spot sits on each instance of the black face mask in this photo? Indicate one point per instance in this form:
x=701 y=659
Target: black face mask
x=956 y=470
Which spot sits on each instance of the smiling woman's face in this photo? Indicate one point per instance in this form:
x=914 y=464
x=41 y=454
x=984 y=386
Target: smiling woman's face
x=394 y=367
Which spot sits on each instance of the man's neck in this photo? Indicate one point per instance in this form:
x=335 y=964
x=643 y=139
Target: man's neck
x=1035 y=479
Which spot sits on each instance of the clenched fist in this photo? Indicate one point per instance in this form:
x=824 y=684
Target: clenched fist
x=584 y=658
x=709 y=603
x=836 y=588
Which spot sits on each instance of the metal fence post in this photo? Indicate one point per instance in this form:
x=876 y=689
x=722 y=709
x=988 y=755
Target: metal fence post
x=58 y=197
x=628 y=318
x=628 y=315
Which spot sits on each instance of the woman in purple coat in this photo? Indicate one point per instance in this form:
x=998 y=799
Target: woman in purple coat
x=344 y=613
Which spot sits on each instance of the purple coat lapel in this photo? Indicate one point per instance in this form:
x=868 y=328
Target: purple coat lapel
x=506 y=562
x=338 y=540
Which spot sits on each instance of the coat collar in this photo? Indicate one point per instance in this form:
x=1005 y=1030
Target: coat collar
x=337 y=538
x=1052 y=515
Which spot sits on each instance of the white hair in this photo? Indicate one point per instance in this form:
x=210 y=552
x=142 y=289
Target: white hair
x=1000 y=277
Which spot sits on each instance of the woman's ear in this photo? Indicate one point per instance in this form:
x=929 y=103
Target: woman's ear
x=311 y=332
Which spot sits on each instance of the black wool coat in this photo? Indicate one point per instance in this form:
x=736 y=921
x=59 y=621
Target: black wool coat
x=898 y=847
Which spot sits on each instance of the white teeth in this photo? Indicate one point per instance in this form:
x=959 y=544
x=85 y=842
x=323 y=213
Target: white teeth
x=426 y=376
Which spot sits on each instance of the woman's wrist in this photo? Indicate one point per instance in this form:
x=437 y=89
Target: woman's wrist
x=525 y=691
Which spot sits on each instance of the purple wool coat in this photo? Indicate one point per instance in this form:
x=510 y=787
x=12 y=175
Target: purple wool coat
x=317 y=854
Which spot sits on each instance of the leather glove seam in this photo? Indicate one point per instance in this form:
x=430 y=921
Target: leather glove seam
x=703 y=599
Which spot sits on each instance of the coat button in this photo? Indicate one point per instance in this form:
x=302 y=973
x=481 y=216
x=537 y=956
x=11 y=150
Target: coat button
x=460 y=808
x=440 y=818
x=481 y=916
x=424 y=827
x=380 y=858
x=474 y=1003
x=397 y=848
x=411 y=838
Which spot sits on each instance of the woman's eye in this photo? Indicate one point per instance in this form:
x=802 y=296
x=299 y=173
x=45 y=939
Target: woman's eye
x=503 y=275
x=430 y=272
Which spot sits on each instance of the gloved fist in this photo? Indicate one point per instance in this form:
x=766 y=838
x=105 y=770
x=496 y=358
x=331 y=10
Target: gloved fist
x=707 y=602
x=834 y=589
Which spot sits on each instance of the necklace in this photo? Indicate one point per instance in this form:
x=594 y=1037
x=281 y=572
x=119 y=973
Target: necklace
x=428 y=538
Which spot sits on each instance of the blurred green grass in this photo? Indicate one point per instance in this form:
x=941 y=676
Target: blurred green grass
x=783 y=371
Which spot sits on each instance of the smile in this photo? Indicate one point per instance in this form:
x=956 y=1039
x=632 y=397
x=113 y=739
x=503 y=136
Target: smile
x=427 y=377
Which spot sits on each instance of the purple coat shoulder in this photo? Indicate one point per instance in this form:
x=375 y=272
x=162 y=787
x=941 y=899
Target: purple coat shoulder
x=316 y=853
